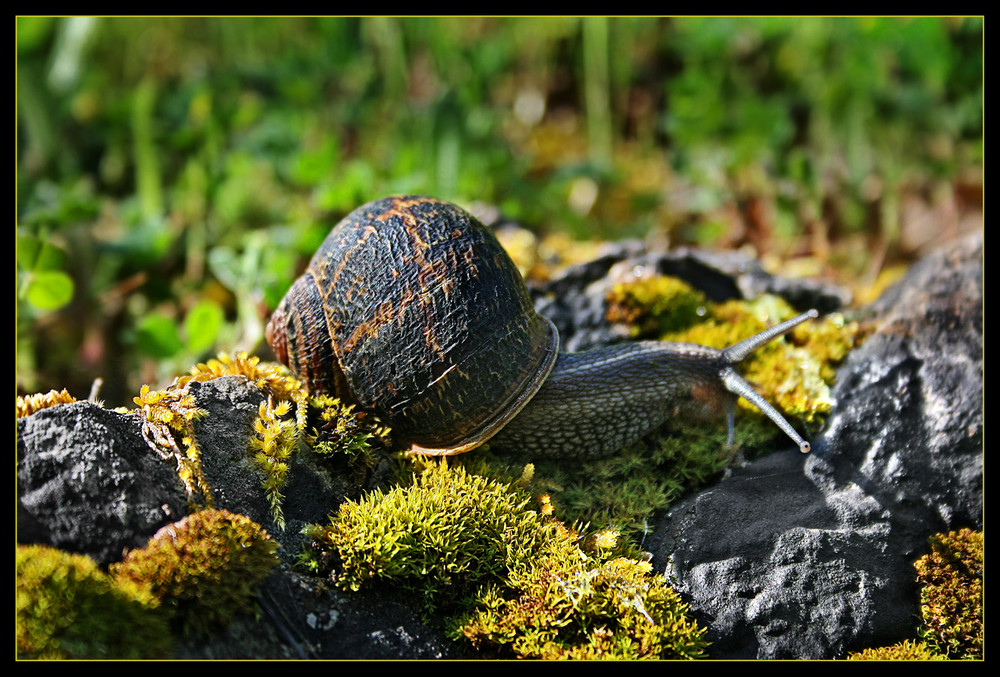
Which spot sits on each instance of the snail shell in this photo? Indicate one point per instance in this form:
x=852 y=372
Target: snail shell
x=412 y=310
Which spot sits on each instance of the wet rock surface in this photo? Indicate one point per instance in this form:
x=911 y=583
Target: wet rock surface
x=790 y=556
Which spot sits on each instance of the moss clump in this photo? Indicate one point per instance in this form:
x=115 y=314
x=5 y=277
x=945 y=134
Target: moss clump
x=904 y=651
x=507 y=576
x=29 y=404
x=448 y=531
x=588 y=610
x=655 y=306
x=951 y=602
x=951 y=596
x=66 y=607
x=205 y=569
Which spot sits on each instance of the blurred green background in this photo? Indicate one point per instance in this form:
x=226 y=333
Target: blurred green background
x=175 y=174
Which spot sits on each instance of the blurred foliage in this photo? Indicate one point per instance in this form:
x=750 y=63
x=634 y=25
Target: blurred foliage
x=174 y=174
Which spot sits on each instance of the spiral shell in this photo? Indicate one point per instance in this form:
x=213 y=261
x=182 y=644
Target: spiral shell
x=413 y=310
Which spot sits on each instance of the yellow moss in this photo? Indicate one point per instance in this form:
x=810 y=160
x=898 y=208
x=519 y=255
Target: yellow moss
x=29 y=404
x=272 y=444
x=169 y=411
x=655 y=306
x=951 y=602
x=904 y=651
x=951 y=596
x=793 y=372
x=613 y=610
x=272 y=379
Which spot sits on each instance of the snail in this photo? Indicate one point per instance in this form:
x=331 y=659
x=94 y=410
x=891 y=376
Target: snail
x=412 y=310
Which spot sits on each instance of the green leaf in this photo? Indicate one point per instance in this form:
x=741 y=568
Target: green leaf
x=157 y=336
x=202 y=325
x=49 y=289
x=36 y=254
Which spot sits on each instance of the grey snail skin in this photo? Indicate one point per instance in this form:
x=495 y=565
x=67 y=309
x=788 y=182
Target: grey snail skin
x=412 y=310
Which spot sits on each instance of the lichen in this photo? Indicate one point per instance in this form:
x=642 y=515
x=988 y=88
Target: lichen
x=507 y=577
x=27 y=405
x=67 y=608
x=205 y=569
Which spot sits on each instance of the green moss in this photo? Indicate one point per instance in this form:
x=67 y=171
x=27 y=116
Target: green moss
x=589 y=610
x=205 y=568
x=951 y=596
x=507 y=576
x=904 y=651
x=343 y=431
x=66 y=607
x=449 y=532
x=623 y=490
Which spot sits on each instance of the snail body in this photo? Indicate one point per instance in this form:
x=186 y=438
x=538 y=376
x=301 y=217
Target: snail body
x=412 y=310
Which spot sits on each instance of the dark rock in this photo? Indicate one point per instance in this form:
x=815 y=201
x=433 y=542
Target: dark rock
x=311 y=492
x=302 y=618
x=87 y=482
x=812 y=556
